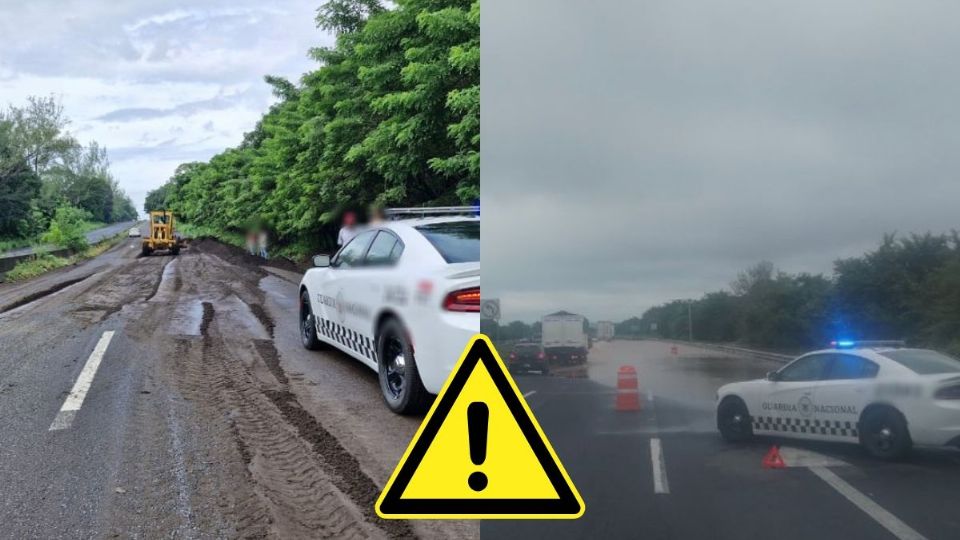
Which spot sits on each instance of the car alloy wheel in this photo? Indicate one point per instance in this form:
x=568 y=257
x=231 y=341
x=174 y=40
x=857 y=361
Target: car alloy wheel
x=396 y=366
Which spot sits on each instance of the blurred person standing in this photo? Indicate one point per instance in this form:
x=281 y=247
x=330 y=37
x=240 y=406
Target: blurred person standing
x=377 y=216
x=348 y=230
x=252 y=242
x=262 y=242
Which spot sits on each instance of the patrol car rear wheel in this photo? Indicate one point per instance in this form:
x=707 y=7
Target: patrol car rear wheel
x=400 y=382
x=308 y=326
x=884 y=434
x=733 y=420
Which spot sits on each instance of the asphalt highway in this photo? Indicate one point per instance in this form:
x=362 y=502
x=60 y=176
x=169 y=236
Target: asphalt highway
x=664 y=472
x=147 y=397
x=93 y=237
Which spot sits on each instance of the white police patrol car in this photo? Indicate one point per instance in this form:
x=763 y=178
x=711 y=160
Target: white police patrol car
x=878 y=394
x=403 y=297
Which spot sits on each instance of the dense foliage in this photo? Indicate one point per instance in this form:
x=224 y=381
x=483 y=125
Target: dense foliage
x=43 y=169
x=908 y=288
x=391 y=117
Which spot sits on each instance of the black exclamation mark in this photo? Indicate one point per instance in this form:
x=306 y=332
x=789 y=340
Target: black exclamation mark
x=478 y=416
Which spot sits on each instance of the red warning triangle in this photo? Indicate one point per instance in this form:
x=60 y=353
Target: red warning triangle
x=773 y=460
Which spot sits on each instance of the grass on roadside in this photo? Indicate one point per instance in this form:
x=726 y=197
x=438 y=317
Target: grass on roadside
x=42 y=263
x=35 y=266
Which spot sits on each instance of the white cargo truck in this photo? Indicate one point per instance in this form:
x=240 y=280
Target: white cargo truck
x=564 y=339
x=605 y=330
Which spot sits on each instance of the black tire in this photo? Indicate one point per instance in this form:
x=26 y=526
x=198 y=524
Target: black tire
x=308 y=326
x=544 y=370
x=175 y=251
x=884 y=434
x=145 y=251
x=400 y=383
x=733 y=420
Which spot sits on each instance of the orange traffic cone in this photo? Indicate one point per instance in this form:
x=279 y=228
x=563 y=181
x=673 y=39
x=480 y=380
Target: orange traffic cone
x=773 y=460
x=628 y=392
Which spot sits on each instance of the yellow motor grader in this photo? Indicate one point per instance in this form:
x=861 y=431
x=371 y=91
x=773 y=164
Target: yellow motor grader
x=162 y=235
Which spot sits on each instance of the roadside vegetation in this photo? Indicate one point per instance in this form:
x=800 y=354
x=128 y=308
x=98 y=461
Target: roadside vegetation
x=907 y=288
x=44 y=262
x=391 y=117
x=46 y=175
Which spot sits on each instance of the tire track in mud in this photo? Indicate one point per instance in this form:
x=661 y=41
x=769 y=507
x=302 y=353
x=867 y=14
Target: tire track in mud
x=339 y=463
x=278 y=470
x=297 y=496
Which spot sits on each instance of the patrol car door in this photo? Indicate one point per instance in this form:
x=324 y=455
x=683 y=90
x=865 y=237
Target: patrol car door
x=336 y=295
x=786 y=408
x=369 y=283
x=841 y=396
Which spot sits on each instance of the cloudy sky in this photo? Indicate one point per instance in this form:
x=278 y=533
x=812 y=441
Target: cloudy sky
x=650 y=150
x=158 y=82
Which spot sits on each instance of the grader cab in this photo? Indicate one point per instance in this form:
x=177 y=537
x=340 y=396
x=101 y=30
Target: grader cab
x=162 y=235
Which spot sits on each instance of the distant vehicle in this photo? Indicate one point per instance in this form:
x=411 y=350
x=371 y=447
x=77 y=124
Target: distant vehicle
x=134 y=232
x=528 y=356
x=403 y=283
x=605 y=330
x=163 y=236
x=563 y=338
x=885 y=397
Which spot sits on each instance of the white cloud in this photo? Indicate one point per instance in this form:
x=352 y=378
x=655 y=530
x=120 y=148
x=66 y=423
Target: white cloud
x=157 y=82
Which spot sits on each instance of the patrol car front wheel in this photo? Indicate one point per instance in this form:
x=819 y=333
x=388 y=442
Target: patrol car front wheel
x=733 y=420
x=308 y=326
x=884 y=434
x=400 y=382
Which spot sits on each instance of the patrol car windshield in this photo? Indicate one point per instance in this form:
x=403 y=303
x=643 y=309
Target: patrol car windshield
x=924 y=362
x=457 y=241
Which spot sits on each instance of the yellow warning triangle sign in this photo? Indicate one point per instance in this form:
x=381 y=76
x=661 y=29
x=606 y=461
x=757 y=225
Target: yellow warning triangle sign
x=479 y=453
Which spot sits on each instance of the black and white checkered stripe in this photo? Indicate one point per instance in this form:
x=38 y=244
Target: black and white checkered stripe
x=839 y=428
x=350 y=339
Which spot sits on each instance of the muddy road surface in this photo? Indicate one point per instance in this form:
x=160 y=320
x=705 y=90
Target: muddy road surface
x=164 y=396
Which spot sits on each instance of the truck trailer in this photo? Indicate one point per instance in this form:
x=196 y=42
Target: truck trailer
x=564 y=339
x=605 y=330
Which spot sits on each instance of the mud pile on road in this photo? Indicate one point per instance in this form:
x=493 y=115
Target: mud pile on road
x=241 y=257
x=276 y=467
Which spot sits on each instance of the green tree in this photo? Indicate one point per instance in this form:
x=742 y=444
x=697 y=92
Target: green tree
x=390 y=117
x=66 y=228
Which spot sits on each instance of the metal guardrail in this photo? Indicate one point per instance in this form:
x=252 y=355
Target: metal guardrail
x=731 y=349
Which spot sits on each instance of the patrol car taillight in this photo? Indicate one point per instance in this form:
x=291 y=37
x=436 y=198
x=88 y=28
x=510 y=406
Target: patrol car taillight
x=463 y=300
x=948 y=392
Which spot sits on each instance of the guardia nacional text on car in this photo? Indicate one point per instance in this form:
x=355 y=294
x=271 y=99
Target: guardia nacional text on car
x=403 y=297
x=881 y=395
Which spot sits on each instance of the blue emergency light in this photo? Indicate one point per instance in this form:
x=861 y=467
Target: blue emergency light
x=851 y=344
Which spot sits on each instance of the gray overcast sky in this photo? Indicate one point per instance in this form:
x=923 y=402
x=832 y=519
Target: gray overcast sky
x=649 y=150
x=157 y=82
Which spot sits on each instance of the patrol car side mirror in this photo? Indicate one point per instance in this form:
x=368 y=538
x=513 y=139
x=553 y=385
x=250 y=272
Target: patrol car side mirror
x=321 y=261
x=773 y=376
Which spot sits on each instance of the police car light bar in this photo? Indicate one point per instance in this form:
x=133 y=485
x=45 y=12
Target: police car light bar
x=396 y=213
x=851 y=344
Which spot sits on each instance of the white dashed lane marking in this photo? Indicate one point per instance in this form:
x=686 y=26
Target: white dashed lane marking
x=887 y=520
x=660 y=484
x=74 y=401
